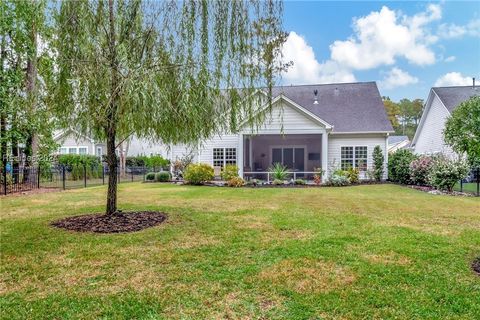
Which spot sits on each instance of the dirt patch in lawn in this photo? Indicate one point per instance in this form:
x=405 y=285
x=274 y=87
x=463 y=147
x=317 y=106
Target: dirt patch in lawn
x=476 y=265
x=308 y=276
x=117 y=223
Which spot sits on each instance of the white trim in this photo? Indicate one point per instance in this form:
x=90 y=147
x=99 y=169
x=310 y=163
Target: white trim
x=353 y=155
x=65 y=131
x=362 y=132
x=77 y=149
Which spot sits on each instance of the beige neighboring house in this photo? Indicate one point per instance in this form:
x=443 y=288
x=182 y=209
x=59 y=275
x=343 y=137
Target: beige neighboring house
x=72 y=142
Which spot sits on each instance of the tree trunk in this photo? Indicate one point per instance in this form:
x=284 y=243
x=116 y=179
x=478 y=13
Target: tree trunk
x=3 y=107
x=111 y=128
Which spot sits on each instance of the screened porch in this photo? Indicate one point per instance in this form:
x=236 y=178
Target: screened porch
x=300 y=153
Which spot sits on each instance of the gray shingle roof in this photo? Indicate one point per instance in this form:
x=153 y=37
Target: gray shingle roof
x=349 y=107
x=453 y=96
x=396 y=139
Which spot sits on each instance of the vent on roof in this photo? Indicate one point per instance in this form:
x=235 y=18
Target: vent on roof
x=335 y=92
x=473 y=79
x=315 y=96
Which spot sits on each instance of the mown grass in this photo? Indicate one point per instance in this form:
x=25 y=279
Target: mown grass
x=369 y=252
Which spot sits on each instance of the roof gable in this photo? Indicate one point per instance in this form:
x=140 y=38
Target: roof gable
x=348 y=107
x=451 y=97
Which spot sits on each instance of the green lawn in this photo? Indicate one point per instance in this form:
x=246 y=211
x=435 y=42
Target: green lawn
x=467 y=187
x=365 y=252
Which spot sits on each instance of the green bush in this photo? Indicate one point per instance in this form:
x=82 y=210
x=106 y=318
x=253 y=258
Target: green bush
x=445 y=172
x=235 y=182
x=399 y=166
x=277 y=182
x=230 y=171
x=162 y=176
x=300 y=182
x=353 y=175
x=337 y=180
x=198 y=173
x=78 y=159
x=378 y=159
x=279 y=171
x=420 y=169
x=150 y=176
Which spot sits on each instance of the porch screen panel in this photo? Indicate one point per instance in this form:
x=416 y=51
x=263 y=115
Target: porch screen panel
x=288 y=158
x=299 y=159
x=276 y=155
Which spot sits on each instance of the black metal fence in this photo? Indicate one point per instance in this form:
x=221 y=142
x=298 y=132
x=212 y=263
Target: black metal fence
x=471 y=184
x=64 y=177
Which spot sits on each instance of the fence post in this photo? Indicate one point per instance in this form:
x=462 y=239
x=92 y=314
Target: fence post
x=38 y=177
x=5 y=179
x=132 y=175
x=478 y=182
x=84 y=175
x=63 y=176
x=103 y=174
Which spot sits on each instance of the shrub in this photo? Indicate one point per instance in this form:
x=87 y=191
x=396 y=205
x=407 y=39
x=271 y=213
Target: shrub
x=235 y=182
x=230 y=171
x=353 y=175
x=277 y=182
x=445 y=172
x=162 y=176
x=279 y=171
x=399 y=166
x=337 y=180
x=299 y=182
x=150 y=176
x=420 y=169
x=378 y=160
x=198 y=173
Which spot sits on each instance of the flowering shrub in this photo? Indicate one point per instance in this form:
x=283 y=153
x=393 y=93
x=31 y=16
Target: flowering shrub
x=198 y=173
x=399 y=166
x=445 y=172
x=230 y=171
x=420 y=169
x=235 y=182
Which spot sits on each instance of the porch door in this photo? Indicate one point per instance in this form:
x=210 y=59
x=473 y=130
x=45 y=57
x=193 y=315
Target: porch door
x=292 y=158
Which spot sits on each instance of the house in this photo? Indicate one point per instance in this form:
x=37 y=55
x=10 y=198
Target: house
x=325 y=126
x=440 y=104
x=397 y=142
x=72 y=142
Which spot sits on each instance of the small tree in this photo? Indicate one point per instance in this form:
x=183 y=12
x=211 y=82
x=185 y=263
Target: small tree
x=163 y=69
x=399 y=166
x=378 y=160
x=462 y=130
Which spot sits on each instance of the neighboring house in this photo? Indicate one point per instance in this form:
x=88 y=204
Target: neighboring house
x=397 y=142
x=326 y=126
x=440 y=104
x=72 y=142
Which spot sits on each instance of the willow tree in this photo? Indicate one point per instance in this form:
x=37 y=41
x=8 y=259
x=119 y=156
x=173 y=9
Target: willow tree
x=179 y=72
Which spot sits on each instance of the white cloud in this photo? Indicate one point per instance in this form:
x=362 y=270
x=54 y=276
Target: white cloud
x=452 y=30
x=453 y=79
x=450 y=59
x=382 y=36
x=397 y=78
x=306 y=68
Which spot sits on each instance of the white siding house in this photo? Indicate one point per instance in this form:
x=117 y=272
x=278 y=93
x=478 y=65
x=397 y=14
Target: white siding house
x=309 y=127
x=440 y=104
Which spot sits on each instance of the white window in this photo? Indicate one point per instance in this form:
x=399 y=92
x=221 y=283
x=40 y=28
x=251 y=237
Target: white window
x=224 y=156
x=82 y=150
x=99 y=151
x=63 y=151
x=354 y=157
x=72 y=150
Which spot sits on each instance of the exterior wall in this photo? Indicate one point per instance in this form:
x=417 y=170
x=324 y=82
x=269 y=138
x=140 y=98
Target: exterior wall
x=70 y=140
x=180 y=150
x=430 y=137
x=144 y=147
x=205 y=153
x=335 y=142
x=103 y=146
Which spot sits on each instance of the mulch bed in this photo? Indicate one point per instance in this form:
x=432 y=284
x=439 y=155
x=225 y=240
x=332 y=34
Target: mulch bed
x=476 y=265
x=117 y=223
x=432 y=190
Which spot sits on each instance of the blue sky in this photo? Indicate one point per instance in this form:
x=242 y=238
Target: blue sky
x=406 y=46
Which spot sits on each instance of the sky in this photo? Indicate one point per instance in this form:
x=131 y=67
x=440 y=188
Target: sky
x=405 y=46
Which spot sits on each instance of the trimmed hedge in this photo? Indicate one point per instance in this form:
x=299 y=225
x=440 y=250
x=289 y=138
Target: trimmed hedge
x=162 y=176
